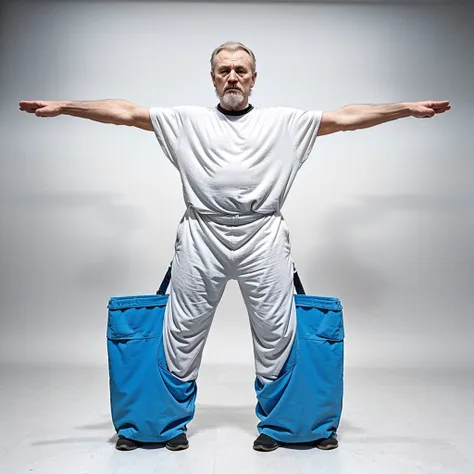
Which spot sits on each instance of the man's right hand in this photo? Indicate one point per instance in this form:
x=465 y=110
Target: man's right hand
x=42 y=108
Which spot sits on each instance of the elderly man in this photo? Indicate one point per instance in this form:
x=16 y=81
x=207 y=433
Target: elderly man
x=237 y=164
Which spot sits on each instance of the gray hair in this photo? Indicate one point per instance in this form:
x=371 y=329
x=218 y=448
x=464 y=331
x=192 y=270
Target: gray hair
x=233 y=46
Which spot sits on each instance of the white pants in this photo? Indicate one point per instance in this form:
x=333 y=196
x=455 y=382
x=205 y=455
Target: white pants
x=255 y=251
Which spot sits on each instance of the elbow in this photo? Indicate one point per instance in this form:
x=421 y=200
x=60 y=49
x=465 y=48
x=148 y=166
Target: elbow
x=346 y=122
x=349 y=127
x=343 y=126
x=125 y=118
x=336 y=121
x=126 y=114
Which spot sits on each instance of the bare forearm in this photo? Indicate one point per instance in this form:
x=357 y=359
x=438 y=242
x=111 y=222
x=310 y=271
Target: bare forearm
x=118 y=112
x=355 y=117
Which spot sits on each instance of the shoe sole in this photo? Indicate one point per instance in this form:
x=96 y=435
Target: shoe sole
x=328 y=448
x=126 y=448
x=265 y=449
x=179 y=447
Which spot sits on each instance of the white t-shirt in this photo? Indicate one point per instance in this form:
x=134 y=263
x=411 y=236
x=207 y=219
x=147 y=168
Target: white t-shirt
x=236 y=164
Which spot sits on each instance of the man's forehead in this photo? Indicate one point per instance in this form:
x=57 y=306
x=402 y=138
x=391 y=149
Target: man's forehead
x=233 y=57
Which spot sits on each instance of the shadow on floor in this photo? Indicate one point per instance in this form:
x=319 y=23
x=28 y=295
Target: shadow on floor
x=208 y=417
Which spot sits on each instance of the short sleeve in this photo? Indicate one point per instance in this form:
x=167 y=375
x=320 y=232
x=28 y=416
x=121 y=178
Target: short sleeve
x=167 y=124
x=303 y=127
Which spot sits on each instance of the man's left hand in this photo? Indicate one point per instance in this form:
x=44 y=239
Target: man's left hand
x=429 y=108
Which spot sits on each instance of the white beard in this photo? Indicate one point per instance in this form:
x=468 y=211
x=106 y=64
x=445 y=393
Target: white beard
x=232 y=99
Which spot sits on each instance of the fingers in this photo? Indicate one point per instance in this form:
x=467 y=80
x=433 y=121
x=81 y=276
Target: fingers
x=39 y=108
x=441 y=109
x=441 y=105
x=44 y=112
x=431 y=108
x=30 y=105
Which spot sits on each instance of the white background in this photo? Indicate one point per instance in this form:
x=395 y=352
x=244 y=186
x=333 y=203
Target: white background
x=382 y=218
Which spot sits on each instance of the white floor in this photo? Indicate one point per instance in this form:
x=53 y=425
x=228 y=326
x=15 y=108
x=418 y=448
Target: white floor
x=56 y=421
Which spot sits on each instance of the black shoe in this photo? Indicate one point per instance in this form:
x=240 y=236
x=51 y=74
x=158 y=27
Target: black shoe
x=326 y=443
x=125 y=444
x=265 y=443
x=178 y=443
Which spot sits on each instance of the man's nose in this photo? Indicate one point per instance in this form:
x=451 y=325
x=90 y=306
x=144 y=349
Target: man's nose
x=232 y=76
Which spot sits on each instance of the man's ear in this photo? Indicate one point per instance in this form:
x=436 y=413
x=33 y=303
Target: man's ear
x=213 y=78
x=254 y=78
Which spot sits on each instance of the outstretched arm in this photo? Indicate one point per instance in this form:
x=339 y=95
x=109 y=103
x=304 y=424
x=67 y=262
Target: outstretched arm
x=118 y=112
x=356 y=117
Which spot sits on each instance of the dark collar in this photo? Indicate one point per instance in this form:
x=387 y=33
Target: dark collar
x=234 y=113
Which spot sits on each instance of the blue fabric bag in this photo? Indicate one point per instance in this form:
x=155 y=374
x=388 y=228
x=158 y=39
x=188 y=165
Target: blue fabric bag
x=149 y=404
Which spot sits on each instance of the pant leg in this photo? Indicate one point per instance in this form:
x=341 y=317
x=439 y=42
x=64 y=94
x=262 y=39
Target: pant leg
x=198 y=278
x=265 y=277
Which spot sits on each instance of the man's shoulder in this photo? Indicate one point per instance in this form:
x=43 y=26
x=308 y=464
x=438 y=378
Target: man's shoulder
x=183 y=110
x=278 y=110
x=288 y=112
x=195 y=109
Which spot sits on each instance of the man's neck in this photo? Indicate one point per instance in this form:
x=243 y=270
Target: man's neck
x=233 y=112
x=240 y=107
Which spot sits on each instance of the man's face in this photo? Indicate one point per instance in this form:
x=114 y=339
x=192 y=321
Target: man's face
x=233 y=78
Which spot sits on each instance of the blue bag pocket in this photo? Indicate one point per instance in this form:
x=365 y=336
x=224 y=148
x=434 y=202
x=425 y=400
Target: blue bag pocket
x=148 y=403
x=305 y=403
x=136 y=317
